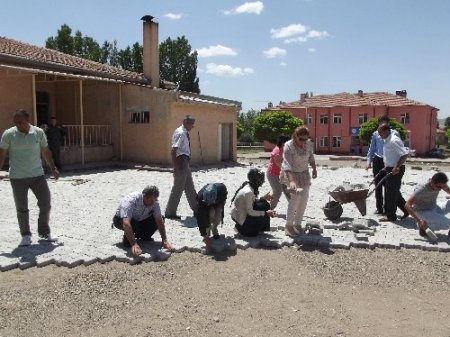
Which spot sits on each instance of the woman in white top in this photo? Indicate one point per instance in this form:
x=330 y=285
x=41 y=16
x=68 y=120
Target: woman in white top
x=297 y=156
x=250 y=214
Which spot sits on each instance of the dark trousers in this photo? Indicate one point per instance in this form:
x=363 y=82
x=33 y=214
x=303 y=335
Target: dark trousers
x=393 y=197
x=253 y=225
x=143 y=229
x=56 y=151
x=377 y=166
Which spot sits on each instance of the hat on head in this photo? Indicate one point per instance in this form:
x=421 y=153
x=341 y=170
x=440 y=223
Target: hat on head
x=189 y=118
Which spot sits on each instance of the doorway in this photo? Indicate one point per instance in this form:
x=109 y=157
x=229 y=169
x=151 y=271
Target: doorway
x=42 y=107
x=225 y=141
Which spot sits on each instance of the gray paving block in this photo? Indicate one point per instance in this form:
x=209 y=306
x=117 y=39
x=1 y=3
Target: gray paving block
x=70 y=262
x=340 y=244
x=27 y=264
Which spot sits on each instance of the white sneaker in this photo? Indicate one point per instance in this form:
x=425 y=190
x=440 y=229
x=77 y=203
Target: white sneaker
x=26 y=240
x=50 y=238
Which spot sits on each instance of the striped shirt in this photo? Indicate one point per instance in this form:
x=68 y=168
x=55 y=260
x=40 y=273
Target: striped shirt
x=132 y=207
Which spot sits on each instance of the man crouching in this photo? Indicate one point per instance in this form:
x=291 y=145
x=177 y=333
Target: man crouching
x=139 y=216
x=211 y=202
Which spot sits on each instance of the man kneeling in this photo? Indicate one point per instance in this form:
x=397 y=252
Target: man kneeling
x=139 y=216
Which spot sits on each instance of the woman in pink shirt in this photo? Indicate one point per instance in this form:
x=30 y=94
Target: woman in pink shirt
x=273 y=171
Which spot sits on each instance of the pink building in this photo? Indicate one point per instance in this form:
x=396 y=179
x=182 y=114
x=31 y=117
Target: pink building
x=334 y=120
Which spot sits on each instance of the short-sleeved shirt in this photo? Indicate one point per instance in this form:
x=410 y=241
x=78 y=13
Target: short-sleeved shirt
x=132 y=207
x=425 y=197
x=180 y=140
x=24 y=151
x=393 y=149
x=273 y=169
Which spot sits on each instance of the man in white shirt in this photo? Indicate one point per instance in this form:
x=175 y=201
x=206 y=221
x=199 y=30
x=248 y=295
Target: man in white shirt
x=182 y=176
x=139 y=216
x=394 y=157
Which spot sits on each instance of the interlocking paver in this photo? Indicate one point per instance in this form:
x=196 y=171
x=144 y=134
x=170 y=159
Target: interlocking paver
x=81 y=217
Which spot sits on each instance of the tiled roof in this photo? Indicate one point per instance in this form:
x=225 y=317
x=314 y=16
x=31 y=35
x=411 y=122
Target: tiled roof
x=349 y=99
x=191 y=97
x=23 y=54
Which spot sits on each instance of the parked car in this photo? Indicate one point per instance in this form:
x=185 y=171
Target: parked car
x=436 y=153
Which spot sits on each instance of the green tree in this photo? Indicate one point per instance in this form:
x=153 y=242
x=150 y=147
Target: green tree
x=447 y=123
x=137 y=56
x=178 y=64
x=245 y=119
x=63 y=41
x=368 y=128
x=125 y=58
x=240 y=129
x=269 y=125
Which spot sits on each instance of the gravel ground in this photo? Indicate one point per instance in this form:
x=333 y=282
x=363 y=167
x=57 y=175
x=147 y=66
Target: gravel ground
x=293 y=291
x=285 y=292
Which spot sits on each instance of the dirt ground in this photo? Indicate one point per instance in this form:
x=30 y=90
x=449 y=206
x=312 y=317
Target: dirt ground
x=294 y=291
x=286 y=292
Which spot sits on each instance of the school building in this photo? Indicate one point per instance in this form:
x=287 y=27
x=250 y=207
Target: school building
x=334 y=120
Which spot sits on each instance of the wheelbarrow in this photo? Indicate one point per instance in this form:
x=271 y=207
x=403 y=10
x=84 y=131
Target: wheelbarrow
x=357 y=193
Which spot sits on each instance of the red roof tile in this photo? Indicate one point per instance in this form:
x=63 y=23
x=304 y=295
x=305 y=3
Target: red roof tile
x=349 y=99
x=19 y=53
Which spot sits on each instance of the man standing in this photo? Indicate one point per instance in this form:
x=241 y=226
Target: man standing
x=375 y=161
x=55 y=134
x=182 y=176
x=394 y=156
x=25 y=144
x=423 y=207
x=139 y=216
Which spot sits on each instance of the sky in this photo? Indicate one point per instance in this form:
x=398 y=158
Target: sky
x=258 y=52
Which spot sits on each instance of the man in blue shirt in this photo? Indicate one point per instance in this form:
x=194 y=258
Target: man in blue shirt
x=375 y=161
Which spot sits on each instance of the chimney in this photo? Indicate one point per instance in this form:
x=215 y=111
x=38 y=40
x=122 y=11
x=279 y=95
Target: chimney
x=303 y=97
x=401 y=93
x=360 y=93
x=151 y=50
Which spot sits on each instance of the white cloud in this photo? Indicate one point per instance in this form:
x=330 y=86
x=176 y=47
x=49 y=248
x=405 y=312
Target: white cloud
x=225 y=70
x=311 y=50
x=283 y=64
x=174 y=16
x=274 y=52
x=288 y=31
x=297 y=33
x=218 y=50
x=246 y=8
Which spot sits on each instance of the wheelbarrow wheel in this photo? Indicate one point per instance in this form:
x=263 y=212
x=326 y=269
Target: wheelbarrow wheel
x=333 y=210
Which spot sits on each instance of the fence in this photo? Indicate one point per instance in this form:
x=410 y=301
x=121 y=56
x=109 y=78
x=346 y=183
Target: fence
x=94 y=135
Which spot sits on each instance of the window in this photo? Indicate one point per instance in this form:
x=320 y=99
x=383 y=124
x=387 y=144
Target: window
x=323 y=119
x=308 y=119
x=337 y=119
x=337 y=141
x=404 y=118
x=362 y=118
x=323 y=142
x=139 y=117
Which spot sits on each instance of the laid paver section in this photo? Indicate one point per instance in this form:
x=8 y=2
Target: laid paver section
x=82 y=212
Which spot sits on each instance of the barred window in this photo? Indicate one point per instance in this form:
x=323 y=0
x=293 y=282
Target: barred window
x=337 y=141
x=323 y=119
x=139 y=117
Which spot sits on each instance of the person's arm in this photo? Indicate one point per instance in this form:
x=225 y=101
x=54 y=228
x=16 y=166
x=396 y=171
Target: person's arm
x=162 y=231
x=2 y=157
x=128 y=230
x=249 y=201
x=400 y=162
x=371 y=151
x=47 y=155
x=423 y=224
x=312 y=162
x=288 y=159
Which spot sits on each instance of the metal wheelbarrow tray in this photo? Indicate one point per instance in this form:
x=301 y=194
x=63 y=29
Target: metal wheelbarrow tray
x=356 y=193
